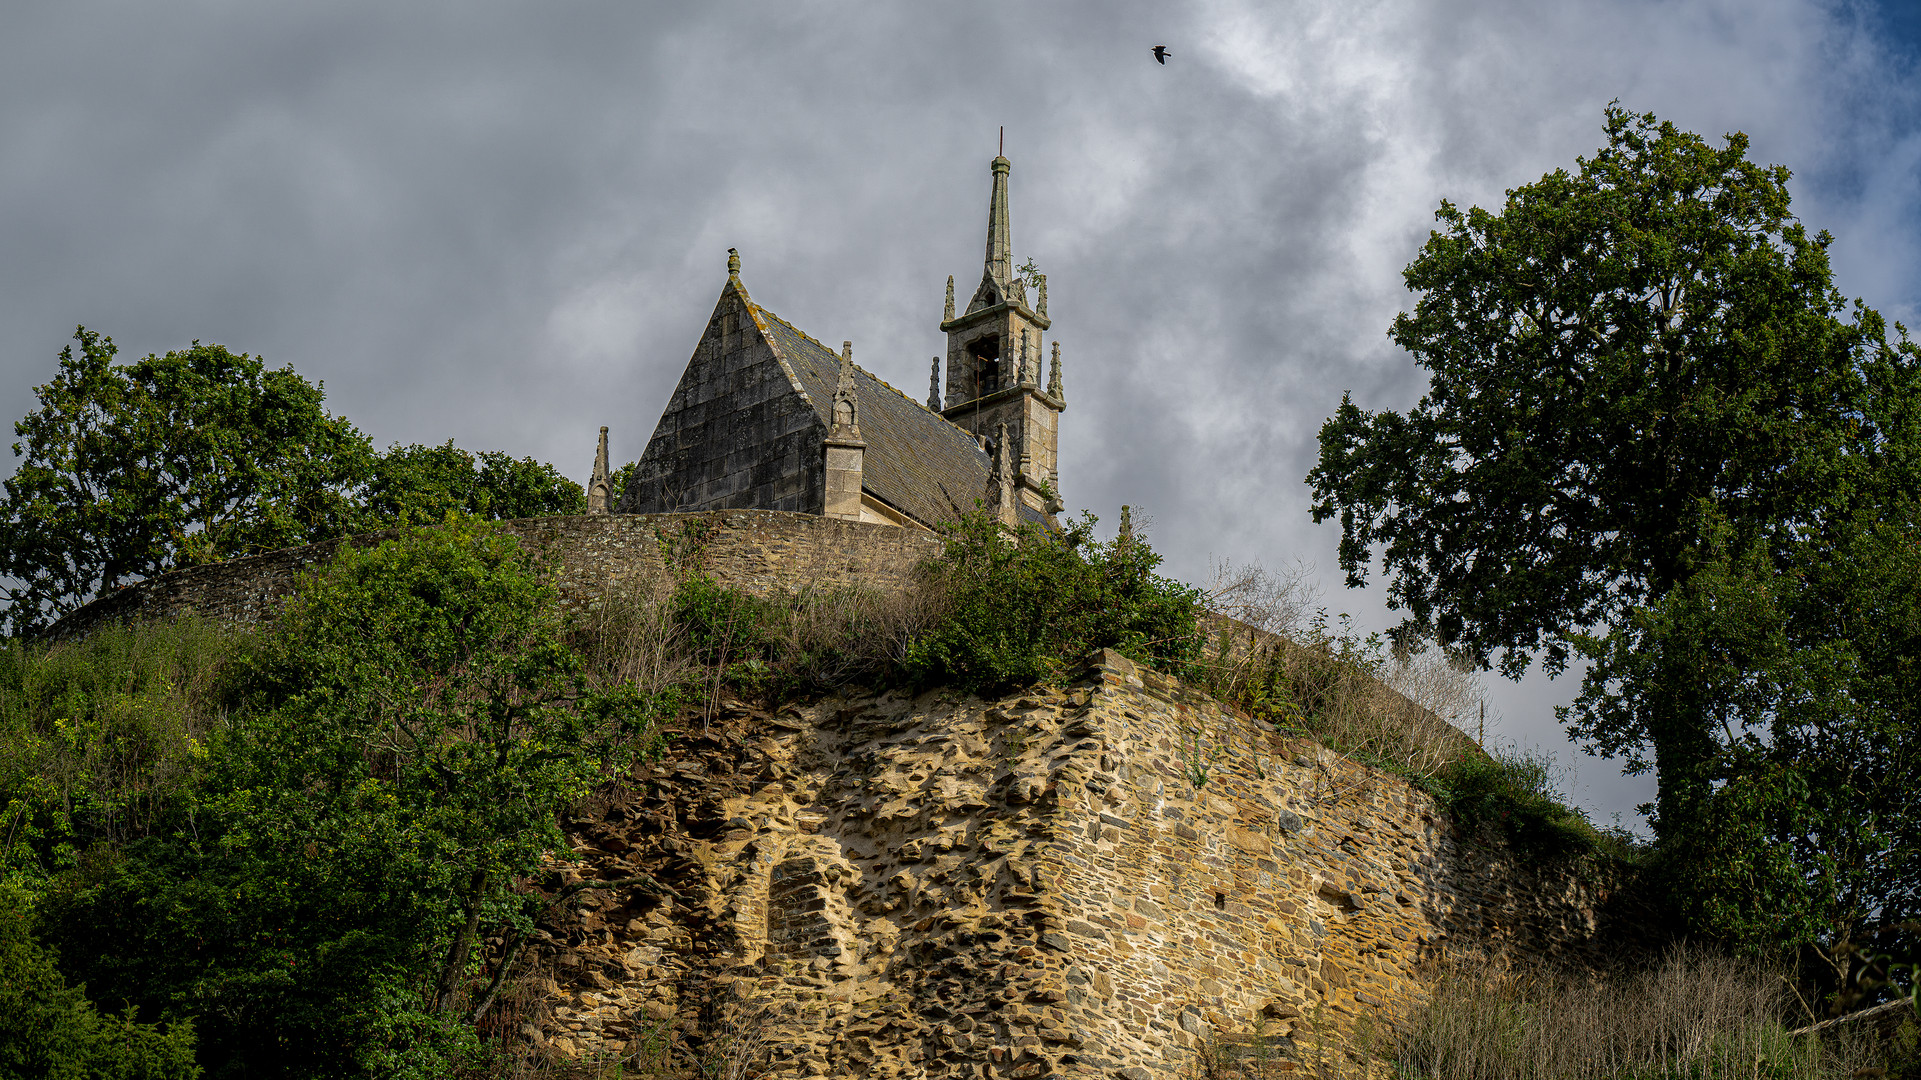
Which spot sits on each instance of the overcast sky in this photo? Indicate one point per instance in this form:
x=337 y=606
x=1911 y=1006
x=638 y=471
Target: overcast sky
x=506 y=224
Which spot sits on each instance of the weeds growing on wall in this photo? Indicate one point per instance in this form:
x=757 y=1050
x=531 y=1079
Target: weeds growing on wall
x=1026 y=608
x=1511 y=794
x=1275 y=656
x=995 y=610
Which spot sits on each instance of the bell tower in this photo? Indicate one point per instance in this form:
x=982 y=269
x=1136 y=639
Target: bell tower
x=994 y=351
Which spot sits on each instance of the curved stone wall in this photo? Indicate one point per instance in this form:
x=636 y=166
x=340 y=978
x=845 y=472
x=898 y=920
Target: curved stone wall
x=756 y=550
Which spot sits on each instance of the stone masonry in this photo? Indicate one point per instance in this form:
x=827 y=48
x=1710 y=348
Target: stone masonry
x=1114 y=878
x=1108 y=878
x=756 y=550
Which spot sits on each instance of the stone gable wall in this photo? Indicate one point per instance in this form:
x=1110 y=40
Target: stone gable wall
x=737 y=432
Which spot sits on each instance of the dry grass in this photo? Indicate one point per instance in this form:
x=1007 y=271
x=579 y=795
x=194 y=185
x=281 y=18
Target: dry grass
x=1272 y=653
x=643 y=635
x=1693 y=1014
x=630 y=637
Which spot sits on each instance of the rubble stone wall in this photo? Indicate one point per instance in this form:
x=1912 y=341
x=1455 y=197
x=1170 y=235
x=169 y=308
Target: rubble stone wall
x=757 y=550
x=1107 y=879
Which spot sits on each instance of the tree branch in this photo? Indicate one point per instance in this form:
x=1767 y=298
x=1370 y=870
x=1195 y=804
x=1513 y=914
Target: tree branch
x=565 y=893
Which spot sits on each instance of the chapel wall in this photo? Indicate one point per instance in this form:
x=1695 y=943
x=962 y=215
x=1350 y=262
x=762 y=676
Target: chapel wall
x=735 y=433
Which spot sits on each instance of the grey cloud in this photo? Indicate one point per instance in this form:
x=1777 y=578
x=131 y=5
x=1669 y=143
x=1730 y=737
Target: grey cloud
x=505 y=224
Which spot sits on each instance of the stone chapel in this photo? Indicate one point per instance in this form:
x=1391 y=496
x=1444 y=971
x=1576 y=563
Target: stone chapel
x=766 y=417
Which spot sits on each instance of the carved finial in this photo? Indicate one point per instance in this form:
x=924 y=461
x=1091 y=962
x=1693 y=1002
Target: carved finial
x=1040 y=284
x=948 y=315
x=1127 y=526
x=933 y=385
x=1000 y=480
x=1054 y=504
x=733 y=263
x=846 y=412
x=1054 y=388
x=600 y=487
x=1025 y=377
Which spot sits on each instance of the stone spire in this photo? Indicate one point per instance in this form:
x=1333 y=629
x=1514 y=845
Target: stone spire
x=600 y=490
x=1000 y=245
x=948 y=315
x=933 y=378
x=1027 y=361
x=1054 y=388
x=1040 y=302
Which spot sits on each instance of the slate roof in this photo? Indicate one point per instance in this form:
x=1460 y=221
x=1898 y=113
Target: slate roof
x=916 y=461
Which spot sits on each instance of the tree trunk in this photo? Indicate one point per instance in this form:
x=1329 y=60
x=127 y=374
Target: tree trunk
x=456 y=962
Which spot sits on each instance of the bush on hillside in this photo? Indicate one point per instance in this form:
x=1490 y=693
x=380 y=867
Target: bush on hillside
x=49 y=1029
x=396 y=755
x=99 y=737
x=1511 y=795
x=1024 y=609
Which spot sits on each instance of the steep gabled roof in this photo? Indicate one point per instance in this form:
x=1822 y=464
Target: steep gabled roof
x=916 y=462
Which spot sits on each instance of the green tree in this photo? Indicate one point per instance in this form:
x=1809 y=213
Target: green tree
x=617 y=483
x=1617 y=353
x=426 y=483
x=402 y=744
x=1803 y=664
x=50 y=1031
x=190 y=457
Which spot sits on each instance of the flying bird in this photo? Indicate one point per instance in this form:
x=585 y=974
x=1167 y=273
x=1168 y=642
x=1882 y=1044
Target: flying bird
x=1161 y=54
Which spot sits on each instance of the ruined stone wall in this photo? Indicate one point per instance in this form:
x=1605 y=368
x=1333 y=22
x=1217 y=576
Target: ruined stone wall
x=757 y=550
x=1045 y=885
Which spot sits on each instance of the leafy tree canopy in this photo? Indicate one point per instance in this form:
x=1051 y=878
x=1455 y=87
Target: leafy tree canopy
x=49 y=1029
x=1655 y=435
x=201 y=455
x=190 y=457
x=1611 y=349
x=426 y=483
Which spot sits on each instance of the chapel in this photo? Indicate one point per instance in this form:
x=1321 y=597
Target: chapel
x=766 y=417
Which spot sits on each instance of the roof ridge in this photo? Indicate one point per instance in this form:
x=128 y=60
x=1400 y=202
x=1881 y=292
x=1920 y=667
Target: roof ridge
x=754 y=312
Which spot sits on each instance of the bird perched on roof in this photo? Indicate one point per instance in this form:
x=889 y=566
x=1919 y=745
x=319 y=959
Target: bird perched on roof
x=1161 y=54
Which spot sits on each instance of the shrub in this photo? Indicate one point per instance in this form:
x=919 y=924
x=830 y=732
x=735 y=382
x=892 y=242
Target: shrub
x=99 y=738
x=1511 y=794
x=50 y=1029
x=1023 y=608
x=400 y=746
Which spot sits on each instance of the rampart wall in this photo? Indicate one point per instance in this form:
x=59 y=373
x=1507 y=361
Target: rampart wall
x=757 y=550
x=1044 y=885
x=1111 y=878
